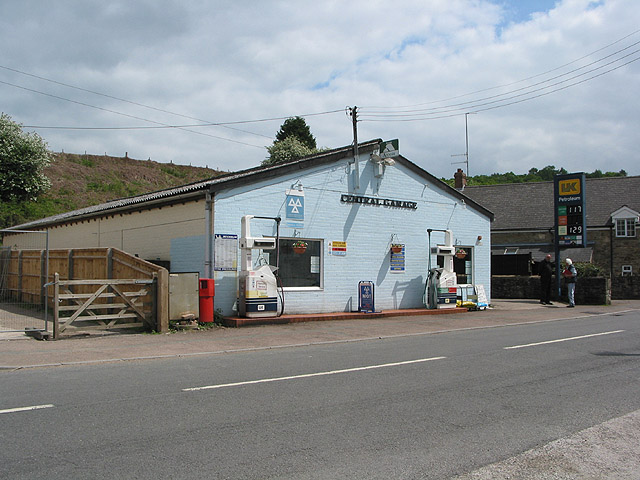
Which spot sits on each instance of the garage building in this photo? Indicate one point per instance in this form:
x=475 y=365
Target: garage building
x=348 y=212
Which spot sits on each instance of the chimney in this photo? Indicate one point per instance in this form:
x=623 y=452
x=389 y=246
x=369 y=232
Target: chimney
x=460 y=179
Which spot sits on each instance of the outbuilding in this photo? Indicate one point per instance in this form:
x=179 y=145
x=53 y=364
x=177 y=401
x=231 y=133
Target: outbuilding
x=348 y=209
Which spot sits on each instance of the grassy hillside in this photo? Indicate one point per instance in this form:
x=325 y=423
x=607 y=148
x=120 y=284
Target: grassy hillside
x=79 y=181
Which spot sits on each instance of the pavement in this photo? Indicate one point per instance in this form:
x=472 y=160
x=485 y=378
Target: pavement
x=18 y=351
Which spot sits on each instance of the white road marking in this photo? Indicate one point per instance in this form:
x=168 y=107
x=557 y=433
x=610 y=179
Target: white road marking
x=563 y=339
x=26 y=409
x=309 y=375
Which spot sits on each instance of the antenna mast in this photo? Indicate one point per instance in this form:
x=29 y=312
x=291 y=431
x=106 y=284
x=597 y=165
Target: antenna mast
x=466 y=137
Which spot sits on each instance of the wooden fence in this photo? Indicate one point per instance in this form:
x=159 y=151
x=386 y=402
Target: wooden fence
x=79 y=270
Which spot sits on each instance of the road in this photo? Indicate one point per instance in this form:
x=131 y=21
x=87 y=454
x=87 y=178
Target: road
x=424 y=406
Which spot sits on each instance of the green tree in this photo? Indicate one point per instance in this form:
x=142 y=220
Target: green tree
x=533 y=175
x=599 y=174
x=297 y=127
x=23 y=157
x=293 y=141
x=287 y=150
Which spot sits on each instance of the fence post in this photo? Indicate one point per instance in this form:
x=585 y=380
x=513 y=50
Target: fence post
x=70 y=265
x=162 y=301
x=56 y=293
x=20 y=295
x=154 y=301
x=110 y=263
x=43 y=279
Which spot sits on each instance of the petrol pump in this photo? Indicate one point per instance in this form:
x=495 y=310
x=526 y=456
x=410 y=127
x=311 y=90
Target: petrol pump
x=257 y=288
x=441 y=288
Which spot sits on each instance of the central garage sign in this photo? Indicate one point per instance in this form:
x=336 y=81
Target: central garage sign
x=384 y=202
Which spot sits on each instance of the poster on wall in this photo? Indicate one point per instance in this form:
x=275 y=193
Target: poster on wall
x=225 y=250
x=338 y=248
x=397 y=261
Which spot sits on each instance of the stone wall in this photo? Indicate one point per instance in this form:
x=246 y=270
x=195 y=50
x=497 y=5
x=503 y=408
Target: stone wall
x=515 y=286
x=625 y=287
x=589 y=290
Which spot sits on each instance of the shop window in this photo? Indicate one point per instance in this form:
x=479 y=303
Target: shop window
x=462 y=264
x=299 y=269
x=625 y=227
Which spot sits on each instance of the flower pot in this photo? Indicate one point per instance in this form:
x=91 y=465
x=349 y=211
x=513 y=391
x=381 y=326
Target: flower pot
x=299 y=249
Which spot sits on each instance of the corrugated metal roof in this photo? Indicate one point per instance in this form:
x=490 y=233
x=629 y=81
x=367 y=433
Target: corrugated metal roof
x=254 y=173
x=228 y=180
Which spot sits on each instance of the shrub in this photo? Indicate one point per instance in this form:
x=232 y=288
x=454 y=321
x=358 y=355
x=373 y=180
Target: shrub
x=588 y=270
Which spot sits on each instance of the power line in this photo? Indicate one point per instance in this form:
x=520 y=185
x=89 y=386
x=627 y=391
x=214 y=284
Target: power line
x=125 y=100
x=464 y=104
x=371 y=114
x=163 y=126
x=512 y=83
x=458 y=109
x=562 y=88
x=193 y=125
x=125 y=114
x=158 y=125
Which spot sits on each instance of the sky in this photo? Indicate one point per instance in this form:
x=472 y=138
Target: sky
x=209 y=82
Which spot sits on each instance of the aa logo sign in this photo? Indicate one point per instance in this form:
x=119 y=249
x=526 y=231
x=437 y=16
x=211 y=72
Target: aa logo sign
x=295 y=205
x=569 y=187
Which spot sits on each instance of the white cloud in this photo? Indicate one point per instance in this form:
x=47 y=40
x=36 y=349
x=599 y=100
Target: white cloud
x=234 y=61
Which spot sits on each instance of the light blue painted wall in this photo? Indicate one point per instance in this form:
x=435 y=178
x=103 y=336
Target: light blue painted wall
x=367 y=229
x=187 y=254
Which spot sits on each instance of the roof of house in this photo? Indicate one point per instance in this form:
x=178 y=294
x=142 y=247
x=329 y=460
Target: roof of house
x=521 y=206
x=243 y=177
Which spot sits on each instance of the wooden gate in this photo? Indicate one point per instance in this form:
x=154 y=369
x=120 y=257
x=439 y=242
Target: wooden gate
x=128 y=290
x=103 y=304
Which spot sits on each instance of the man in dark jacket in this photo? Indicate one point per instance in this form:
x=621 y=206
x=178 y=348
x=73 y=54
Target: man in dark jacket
x=546 y=272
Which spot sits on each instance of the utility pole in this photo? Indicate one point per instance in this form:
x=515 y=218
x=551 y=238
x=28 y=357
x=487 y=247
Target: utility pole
x=466 y=137
x=353 y=112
